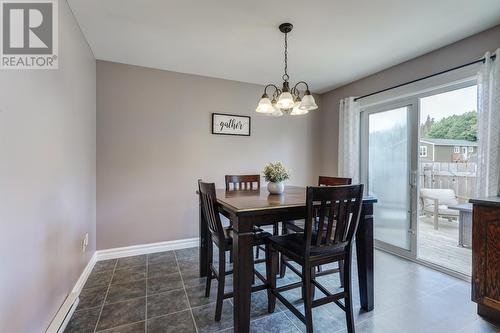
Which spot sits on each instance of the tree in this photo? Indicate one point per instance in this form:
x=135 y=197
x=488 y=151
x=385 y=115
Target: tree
x=426 y=126
x=459 y=127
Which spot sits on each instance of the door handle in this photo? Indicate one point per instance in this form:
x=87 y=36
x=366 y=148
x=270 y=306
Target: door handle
x=413 y=178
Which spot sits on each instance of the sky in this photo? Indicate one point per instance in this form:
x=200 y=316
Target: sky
x=437 y=106
x=449 y=103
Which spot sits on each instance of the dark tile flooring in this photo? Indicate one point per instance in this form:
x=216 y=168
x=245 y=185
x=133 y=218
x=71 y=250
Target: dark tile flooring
x=162 y=292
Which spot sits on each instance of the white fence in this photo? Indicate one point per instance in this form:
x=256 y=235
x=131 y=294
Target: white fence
x=460 y=177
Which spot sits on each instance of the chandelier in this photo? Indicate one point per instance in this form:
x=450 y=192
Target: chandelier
x=286 y=100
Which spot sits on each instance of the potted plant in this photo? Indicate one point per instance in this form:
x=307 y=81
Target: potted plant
x=275 y=174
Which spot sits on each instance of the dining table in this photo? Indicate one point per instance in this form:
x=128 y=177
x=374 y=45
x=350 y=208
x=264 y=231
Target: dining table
x=248 y=208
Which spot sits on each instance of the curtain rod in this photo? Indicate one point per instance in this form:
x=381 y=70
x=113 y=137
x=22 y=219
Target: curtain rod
x=483 y=60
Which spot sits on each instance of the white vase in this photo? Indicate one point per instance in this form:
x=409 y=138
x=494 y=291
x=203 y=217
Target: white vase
x=275 y=188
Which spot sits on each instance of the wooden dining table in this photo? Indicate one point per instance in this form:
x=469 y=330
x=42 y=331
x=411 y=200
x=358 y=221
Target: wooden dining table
x=250 y=208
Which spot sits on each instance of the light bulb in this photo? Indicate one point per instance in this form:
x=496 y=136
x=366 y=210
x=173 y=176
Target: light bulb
x=265 y=105
x=308 y=103
x=297 y=111
x=285 y=101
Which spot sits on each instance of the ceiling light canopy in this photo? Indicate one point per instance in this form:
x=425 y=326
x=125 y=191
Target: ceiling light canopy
x=286 y=100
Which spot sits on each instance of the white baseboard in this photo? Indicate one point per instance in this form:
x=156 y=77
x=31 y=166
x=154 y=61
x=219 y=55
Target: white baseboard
x=85 y=274
x=62 y=317
x=135 y=250
x=66 y=310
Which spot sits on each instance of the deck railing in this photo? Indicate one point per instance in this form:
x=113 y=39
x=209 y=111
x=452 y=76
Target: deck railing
x=460 y=176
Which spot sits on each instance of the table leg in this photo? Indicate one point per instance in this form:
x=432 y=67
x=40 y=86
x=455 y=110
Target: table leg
x=460 y=228
x=364 y=252
x=242 y=273
x=203 y=242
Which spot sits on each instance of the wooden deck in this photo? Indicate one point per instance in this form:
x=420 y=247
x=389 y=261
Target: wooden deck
x=441 y=246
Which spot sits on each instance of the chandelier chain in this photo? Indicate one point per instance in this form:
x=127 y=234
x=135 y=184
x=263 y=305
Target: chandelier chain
x=286 y=76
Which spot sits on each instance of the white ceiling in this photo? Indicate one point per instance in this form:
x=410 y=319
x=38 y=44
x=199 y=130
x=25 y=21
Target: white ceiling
x=333 y=42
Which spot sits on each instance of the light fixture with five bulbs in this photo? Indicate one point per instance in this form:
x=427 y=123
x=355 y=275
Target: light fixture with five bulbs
x=286 y=100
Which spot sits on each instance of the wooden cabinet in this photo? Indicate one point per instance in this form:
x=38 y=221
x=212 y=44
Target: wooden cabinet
x=486 y=257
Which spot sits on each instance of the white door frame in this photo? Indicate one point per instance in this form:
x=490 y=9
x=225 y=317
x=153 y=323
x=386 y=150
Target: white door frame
x=413 y=102
x=412 y=105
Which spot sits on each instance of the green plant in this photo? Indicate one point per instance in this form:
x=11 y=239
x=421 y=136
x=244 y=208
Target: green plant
x=458 y=127
x=275 y=172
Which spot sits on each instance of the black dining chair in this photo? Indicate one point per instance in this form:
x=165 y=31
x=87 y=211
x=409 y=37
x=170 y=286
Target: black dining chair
x=298 y=226
x=247 y=183
x=221 y=237
x=336 y=209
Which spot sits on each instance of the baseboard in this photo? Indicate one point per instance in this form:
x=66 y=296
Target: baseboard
x=135 y=250
x=63 y=315
x=60 y=321
x=85 y=274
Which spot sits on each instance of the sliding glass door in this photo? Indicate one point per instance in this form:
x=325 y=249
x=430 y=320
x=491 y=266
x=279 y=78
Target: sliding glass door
x=388 y=169
x=416 y=152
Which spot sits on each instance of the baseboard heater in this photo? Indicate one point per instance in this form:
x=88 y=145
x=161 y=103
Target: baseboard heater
x=60 y=321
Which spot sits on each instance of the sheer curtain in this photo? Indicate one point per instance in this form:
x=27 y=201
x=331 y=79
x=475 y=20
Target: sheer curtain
x=489 y=126
x=349 y=137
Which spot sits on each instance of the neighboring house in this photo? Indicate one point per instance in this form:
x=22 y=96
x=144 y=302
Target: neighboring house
x=446 y=150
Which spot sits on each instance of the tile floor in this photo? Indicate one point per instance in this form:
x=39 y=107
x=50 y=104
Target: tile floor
x=162 y=292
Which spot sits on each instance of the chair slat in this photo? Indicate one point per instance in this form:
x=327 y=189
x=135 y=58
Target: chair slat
x=209 y=207
x=242 y=182
x=331 y=215
x=337 y=209
x=322 y=212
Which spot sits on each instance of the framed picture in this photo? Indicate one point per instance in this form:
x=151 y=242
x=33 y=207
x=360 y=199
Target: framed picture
x=230 y=124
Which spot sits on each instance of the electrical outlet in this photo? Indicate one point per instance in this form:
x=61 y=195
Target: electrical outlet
x=85 y=242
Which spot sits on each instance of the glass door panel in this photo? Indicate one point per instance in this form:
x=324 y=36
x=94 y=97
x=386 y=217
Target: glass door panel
x=388 y=172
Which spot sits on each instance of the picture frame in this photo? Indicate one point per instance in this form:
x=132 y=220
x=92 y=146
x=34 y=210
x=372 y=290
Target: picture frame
x=231 y=124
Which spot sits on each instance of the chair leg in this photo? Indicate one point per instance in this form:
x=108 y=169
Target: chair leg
x=307 y=293
x=348 y=299
x=436 y=222
x=210 y=255
x=276 y=229
x=271 y=265
x=231 y=256
x=208 y=284
x=220 y=286
x=313 y=287
x=257 y=252
x=282 y=268
x=253 y=272
x=341 y=269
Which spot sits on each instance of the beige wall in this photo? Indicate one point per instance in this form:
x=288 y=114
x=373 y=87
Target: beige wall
x=154 y=141
x=47 y=181
x=449 y=56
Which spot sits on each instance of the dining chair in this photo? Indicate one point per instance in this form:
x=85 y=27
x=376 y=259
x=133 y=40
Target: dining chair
x=221 y=237
x=242 y=182
x=337 y=210
x=298 y=226
x=246 y=183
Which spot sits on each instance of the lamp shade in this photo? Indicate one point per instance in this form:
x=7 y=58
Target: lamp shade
x=296 y=111
x=265 y=105
x=276 y=111
x=285 y=101
x=308 y=103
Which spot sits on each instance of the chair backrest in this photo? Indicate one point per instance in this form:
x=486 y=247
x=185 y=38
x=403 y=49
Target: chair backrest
x=333 y=181
x=336 y=210
x=444 y=196
x=242 y=182
x=210 y=209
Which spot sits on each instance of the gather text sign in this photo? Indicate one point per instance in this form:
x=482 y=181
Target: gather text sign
x=230 y=124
